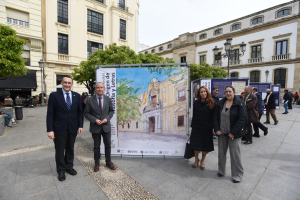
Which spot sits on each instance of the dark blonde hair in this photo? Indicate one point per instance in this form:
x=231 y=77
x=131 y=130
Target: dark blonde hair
x=208 y=98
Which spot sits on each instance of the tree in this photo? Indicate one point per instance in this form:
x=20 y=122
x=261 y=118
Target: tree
x=112 y=55
x=11 y=47
x=206 y=71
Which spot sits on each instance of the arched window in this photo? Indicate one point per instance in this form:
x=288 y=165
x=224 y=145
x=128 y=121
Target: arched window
x=161 y=48
x=234 y=75
x=257 y=20
x=146 y=52
x=203 y=36
x=283 y=12
x=169 y=46
x=153 y=51
x=279 y=77
x=219 y=31
x=254 y=77
x=236 y=26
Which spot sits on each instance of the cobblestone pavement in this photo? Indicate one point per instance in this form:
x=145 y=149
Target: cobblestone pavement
x=27 y=168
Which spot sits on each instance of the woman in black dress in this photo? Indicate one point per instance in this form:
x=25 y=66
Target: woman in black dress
x=201 y=139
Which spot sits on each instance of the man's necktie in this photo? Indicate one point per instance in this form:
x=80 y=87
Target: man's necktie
x=68 y=101
x=100 y=104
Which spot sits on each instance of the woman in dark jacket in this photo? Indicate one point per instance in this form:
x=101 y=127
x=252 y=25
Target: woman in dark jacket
x=201 y=139
x=229 y=119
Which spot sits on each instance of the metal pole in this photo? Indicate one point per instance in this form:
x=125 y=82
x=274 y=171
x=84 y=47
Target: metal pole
x=228 y=64
x=42 y=86
x=188 y=97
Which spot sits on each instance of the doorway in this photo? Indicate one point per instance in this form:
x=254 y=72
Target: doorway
x=151 y=124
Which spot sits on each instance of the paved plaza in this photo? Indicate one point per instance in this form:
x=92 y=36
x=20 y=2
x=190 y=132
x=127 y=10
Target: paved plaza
x=271 y=168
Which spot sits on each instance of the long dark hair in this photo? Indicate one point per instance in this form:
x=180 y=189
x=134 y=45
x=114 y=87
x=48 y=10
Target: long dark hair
x=208 y=98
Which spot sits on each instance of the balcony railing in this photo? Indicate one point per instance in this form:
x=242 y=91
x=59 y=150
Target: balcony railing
x=281 y=57
x=217 y=63
x=256 y=60
x=235 y=62
x=63 y=57
x=27 y=63
x=123 y=7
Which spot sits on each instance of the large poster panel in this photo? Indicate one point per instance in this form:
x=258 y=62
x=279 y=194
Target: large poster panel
x=276 y=90
x=261 y=89
x=238 y=84
x=151 y=110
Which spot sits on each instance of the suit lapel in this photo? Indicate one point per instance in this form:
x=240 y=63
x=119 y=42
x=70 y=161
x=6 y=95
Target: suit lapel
x=61 y=94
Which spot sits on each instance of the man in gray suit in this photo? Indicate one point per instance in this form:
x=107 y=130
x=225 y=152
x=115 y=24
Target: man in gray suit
x=99 y=111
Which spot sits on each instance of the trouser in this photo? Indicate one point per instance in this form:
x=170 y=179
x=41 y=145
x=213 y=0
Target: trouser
x=237 y=170
x=272 y=112
x=107 y=143
x=248 y=137
x=64 y=151
x=290 y=104
x=255 y=126
x=286 y=107
x=7 y=116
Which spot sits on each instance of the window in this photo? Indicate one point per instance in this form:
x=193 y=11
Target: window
x=281 y=47
x=218 y=57
x=15 y=21
x=181 y=94
x=62 y=11
x=26 y=55
x=169 y=46
x=153 y=51
x=63 y=45
x=161 y=48
x=122 y=29
x=27 y=24
x=202 y=59
x=279 y=77
x=256 y=51
x=122 y=4
x=17 y=17
x=180 y=120
x=9 y=20
x=257 y=20
x=236 y=26
x=137 y=125
x=234 y=75
x=101 y=1
x=219 y=31
x=21 y=23
x=203 y=36
x=236 y=54
x=92 y=47
x=254 y=77
x=94 y=22
x=283 y=12
x=183 y=59
x=146 y=52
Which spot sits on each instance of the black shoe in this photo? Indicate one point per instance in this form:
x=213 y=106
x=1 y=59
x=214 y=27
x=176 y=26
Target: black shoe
x=266 y=122
x=256 y=135
x=285 y=113
x=220 y=175
x=247 y=142
x=61 y=176
x=266 y=132
x=235 y=181
x=276 y=123
x=6 y=126
x=71 y=172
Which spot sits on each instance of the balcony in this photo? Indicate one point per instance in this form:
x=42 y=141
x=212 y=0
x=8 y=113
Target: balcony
x=235 y=62
x=281 y=57
x=123 y=7
x=217 y=63
x=63 y=57
x=27 y=63
x=256 y=60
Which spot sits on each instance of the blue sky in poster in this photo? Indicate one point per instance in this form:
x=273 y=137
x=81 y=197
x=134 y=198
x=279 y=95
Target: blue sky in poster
x=141 y=77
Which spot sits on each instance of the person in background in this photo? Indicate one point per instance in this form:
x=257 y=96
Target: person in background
x=9 y=99
x=201 y=139
x=28 y=100
x=270 y=105
x=215 y=94
x=291 y=99
x=229 y=119
x=82 y=100
x=286 y=100
x=37 y=98
x=260 y=112
x=296 y=98
x=86 y=98
x=7 y=117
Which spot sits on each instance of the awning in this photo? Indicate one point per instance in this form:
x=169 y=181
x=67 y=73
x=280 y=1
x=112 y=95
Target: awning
x=22 y=83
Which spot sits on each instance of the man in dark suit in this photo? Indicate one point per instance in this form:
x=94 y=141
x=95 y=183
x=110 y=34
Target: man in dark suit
x=99 y=110
x=270 y=104
x=64 y=121
x=214 y=94
x=260 y=112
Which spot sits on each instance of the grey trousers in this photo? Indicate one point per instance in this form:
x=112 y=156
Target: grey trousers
x=237 y=170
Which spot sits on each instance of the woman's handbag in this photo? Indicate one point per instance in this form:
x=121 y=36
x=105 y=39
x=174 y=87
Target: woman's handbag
x=189 y=153
x=242 y=132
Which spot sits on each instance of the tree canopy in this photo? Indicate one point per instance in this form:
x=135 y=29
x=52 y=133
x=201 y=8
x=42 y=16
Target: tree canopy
x=206 y=71
x=11 y=47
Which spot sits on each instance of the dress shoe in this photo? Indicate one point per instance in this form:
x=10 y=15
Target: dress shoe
x=202 y=168
x=71 y=172
x=96 y=169
x=61 y=176
x=256 y=136
x=220 y=175
x=196 y=164
x=247 y=142
x=111 y=166
x=276 y=123
x=266 y=122
x=235 y=181
x=284 y=113
x=266 y=132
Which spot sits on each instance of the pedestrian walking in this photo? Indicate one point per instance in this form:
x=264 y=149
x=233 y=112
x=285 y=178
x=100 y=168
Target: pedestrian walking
x=229 y=119
x=258 y=125
x=291 y=99
x=270 y=105
x=201 y=140
x=296 y=98
x=286 y=100
x=64 y=122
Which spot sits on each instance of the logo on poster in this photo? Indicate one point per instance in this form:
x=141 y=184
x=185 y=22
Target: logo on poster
x=142 y=151
x=160 y=152
x=118 y=150
x=130 y=151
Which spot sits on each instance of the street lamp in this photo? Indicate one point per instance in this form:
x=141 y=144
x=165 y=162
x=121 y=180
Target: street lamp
x=41 y=65
x=267 y=74
x=229 y=52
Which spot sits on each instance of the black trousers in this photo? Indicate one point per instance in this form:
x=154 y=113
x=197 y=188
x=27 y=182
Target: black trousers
x=290 y=105
x=248 y=137
x=256 y=126
x=107 y=143
x=64 y=151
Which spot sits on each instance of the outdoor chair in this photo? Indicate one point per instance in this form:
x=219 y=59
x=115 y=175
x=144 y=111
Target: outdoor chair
x=19 y=102
x=8 y=103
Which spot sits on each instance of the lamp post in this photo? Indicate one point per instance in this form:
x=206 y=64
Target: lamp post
x=267 y=74
x=229 y=52
x=41 y=65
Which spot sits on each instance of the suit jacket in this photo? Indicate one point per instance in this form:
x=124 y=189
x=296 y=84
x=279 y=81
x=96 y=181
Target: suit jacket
x=59 y=118
x=215 y=98
x=259 y=99
x=252 y=108
x=272 y=101
x=92 y=113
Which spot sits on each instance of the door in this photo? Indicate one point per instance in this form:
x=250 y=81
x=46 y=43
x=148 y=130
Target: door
x=151 y=124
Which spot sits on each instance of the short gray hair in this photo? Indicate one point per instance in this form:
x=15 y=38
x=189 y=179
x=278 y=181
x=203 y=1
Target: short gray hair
x=269 y=90
x=250 y=88
x=100 y=82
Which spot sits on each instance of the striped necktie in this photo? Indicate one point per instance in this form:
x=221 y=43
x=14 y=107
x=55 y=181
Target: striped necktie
x=68 y=101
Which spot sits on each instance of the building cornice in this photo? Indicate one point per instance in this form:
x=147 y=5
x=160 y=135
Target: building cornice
x=281 y=36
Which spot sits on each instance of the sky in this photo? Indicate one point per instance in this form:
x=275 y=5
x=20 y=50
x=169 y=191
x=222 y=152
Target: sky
x=163 y=20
